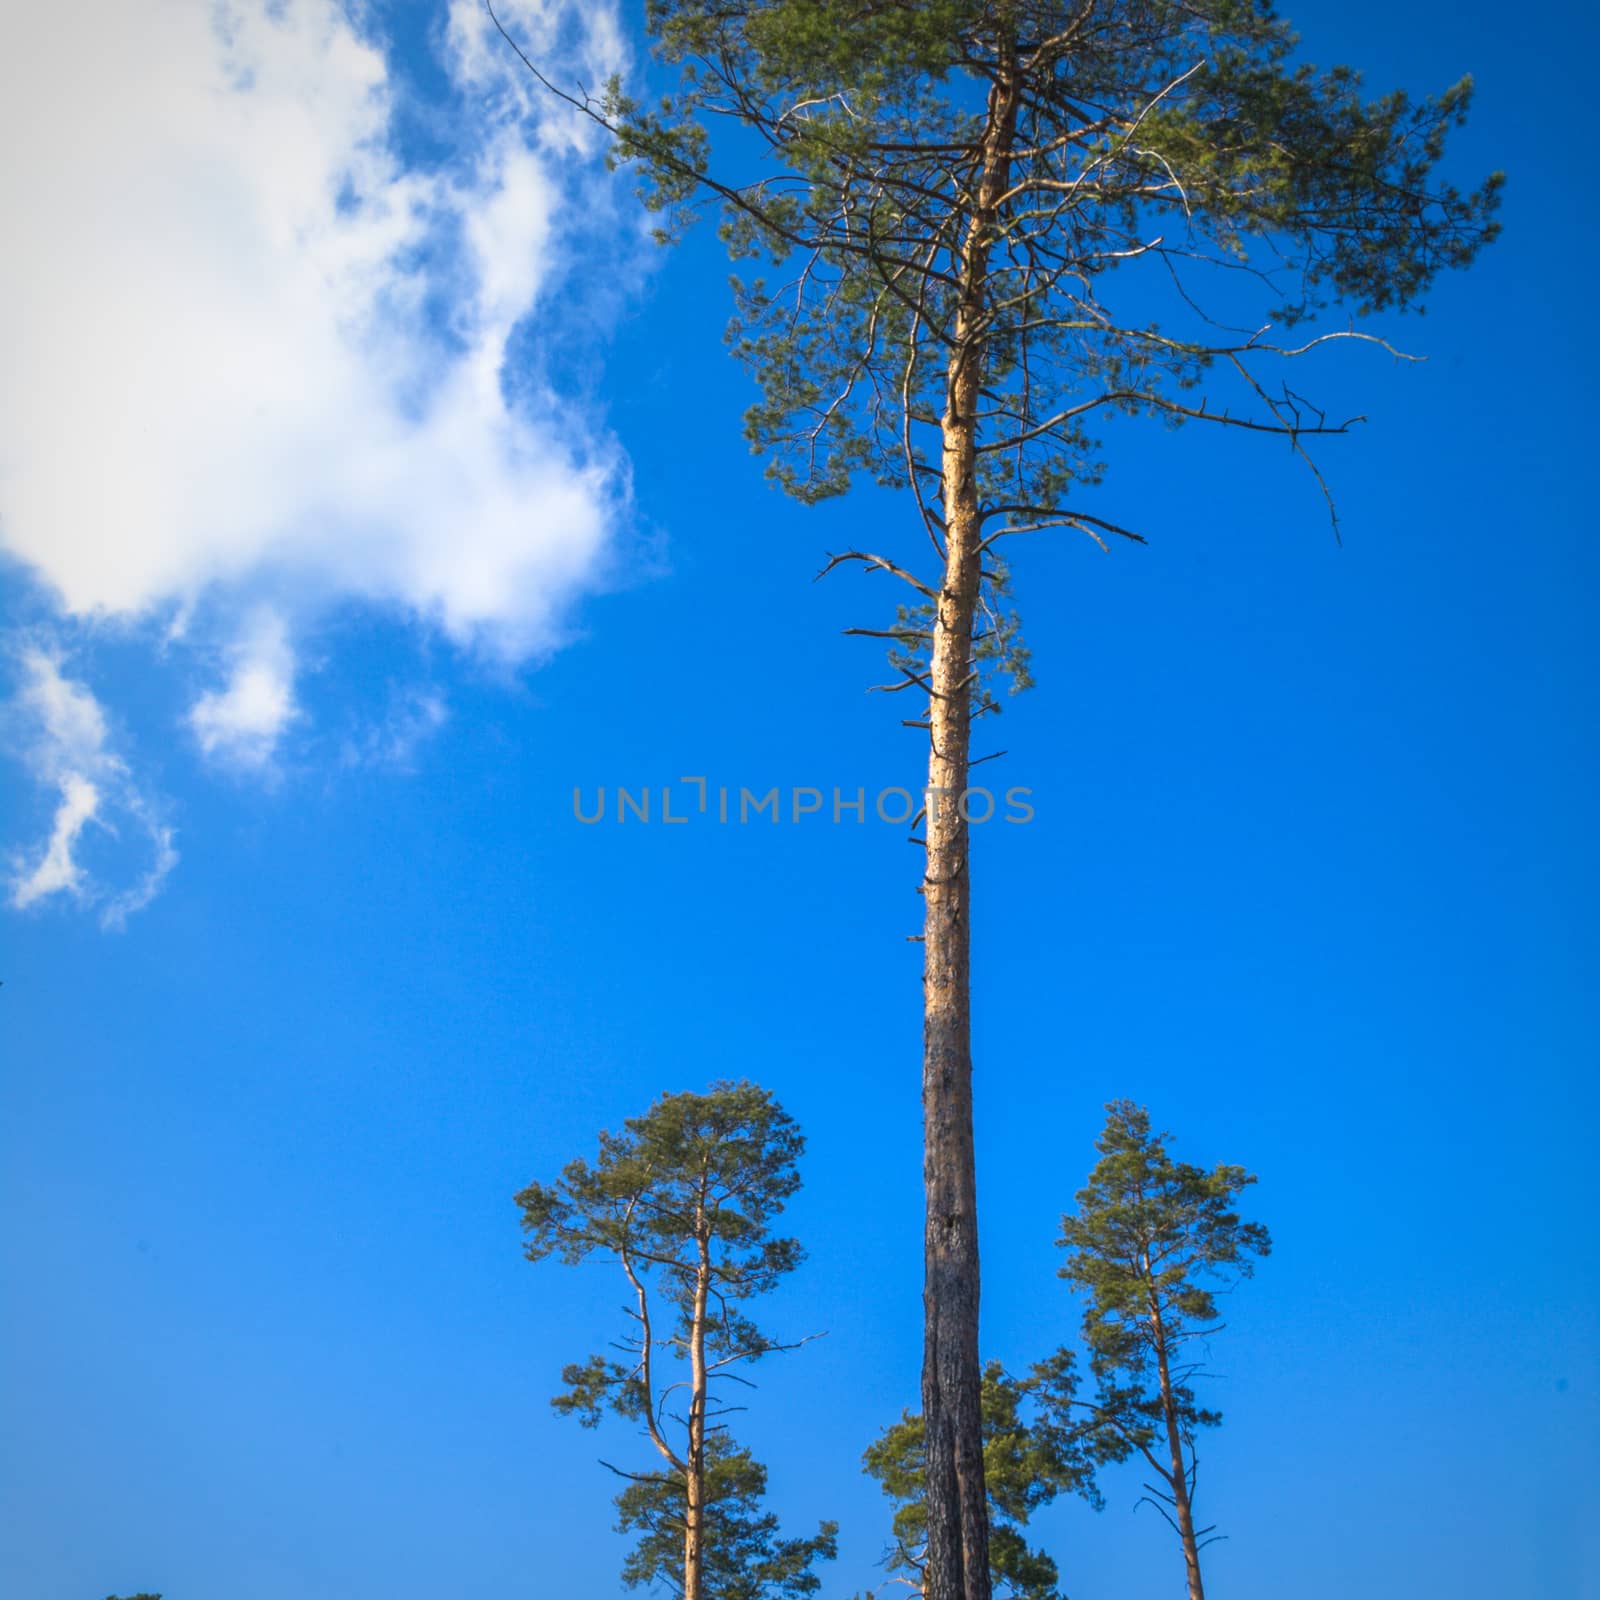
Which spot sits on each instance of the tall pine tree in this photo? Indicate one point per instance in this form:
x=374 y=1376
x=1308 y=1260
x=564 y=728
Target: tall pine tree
x=967 y=230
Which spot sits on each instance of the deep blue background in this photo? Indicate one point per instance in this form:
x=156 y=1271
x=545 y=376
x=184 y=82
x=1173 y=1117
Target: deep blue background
x=1312 y=874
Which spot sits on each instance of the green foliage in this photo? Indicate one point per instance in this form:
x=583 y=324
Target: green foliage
x=1151 y=1232
x=684 y=1199
x=699 y=1172
x=745 y=1557
x=998 y=653
x=1175 y=181
x=1034 y=1449
x=1164 y=132
x=1151 y=1245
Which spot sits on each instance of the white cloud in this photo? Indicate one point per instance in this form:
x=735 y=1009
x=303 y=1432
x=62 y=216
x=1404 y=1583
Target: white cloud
x=259 y=366
x=243 y=338
x=242 y=723
x=60 y=734
x=56 y=871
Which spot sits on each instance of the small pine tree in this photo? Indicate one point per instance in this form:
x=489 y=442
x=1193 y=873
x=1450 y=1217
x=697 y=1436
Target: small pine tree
x=684 y=1201
x=1034 y=1449
x=745 y=1559
x=1151 y=1243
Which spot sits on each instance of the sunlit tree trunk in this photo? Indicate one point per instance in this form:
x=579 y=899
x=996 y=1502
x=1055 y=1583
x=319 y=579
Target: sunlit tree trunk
x=958 y=1517
x=694 y=1509
x=1180 y=1481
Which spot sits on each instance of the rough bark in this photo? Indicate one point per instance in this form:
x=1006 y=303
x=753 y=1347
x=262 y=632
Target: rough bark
x=694 y=1513
x=958 y=1514
x=1180 y=1480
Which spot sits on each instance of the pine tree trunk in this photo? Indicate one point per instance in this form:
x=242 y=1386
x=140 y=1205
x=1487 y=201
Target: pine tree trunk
x=1180 y=1481
x=694 y=1516
x=957 y=1563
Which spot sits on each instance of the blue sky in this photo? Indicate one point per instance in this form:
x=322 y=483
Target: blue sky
x=317 y=627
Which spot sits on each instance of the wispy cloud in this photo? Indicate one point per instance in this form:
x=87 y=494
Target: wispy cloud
x=414 y=716
x=56 y=872
x=240 y=724
x=59 y=733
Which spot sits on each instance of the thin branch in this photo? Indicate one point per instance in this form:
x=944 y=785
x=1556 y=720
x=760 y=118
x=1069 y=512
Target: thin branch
x=877 y=563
